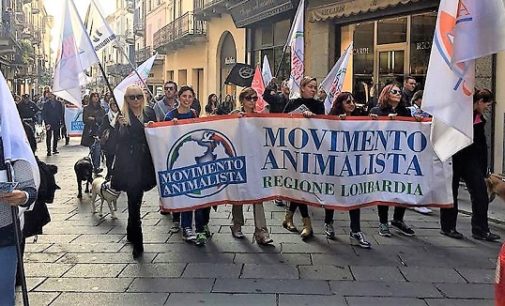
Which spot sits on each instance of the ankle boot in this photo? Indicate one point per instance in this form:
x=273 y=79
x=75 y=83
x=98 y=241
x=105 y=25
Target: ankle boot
x=262 y=237
x=288 y=222
x=307 y=228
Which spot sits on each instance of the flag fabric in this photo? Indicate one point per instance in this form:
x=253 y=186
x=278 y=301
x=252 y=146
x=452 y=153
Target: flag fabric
x=295 y=42
x=15 y=143
x=258 y=85
x=465 y=30
x=133 y=79
x=266 y=72
x=240 y=75
x=75 y=55
x=334 y=81
x=97 y=28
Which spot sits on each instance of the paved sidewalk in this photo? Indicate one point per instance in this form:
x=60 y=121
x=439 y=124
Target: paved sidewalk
x=85 y=260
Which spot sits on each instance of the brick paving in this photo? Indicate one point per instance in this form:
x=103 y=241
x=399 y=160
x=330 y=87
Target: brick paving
x=83 y=259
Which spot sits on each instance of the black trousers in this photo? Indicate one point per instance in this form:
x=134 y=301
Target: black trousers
x=134 y=227
x=473 y=176
x=398 y=214
x=354 y=215
x=202 y=217
x=109 y=159
x=52 y=134
x=304 y=210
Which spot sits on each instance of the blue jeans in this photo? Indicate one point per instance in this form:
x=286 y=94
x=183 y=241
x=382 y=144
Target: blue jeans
x=9 y=263
x=95 y=150
x=201 y=219
x=186 y=219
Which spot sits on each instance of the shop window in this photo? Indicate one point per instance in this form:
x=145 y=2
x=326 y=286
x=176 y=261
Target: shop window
x=392 y=30
x=421 y=39
x=363 y=60
x=281 y=32
x=267 y=36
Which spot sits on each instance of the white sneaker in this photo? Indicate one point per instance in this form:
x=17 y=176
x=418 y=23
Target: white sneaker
x=188 y=234
x=423 y=210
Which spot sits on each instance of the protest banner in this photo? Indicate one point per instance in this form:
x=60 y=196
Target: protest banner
x=73 y=120
x=342 y=164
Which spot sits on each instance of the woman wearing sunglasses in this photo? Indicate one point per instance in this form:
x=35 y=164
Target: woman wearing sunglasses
x=248 y=98
x=344 y=106
x=308 y=89
x=389 y=105
x=186 y=97
x=133 y=169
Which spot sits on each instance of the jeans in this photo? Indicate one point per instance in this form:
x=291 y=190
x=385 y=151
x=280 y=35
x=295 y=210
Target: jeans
x=186 y=219
x=95 y=150
x=9 y=261
x=201 y=219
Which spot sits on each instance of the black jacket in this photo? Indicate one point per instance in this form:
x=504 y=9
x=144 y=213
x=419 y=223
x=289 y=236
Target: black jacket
x=277 y=101
x=91 y=126
x=53 y=114
x=133 y=165
x=109 y=144
x=400 y=110
x=315 y=106
x=477 y=151
x=27 y=109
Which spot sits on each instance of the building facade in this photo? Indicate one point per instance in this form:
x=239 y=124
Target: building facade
x=25 y=37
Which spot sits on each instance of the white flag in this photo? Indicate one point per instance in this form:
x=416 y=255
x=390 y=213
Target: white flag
x=14 y=140
x=266 y=72
x=75 y=55
x=133 y=79
x=97 y=28
x=334 y=81
x=448 y=93
x=295 y=41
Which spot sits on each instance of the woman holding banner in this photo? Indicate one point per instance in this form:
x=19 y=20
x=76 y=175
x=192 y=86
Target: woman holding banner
x=309 y=107
x=248 y=98
x=133 y=169
x=344 y=106
x=389 y=105
x=186 y=97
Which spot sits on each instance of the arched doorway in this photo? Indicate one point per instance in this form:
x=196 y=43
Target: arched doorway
x=227 y=59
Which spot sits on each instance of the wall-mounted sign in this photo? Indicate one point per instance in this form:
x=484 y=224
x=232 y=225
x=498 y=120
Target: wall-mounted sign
x=361 y=50
x=423 y=45
x=251 y=11
x=230 y=60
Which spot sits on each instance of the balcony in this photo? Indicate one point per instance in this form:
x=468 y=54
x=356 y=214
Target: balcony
x=122 y=70
x=35 y=7
x=28 y=32
x=206 y=9
x=7 y=39
x=129 y=37
x=143 y=54
x=138 y=25
x=129 y=7
x=179 y=33
x=37 y=38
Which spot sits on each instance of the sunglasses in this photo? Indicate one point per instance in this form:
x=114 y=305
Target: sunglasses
x=251 y=98
x=135 y=97
x=169 y=88
x=395 y=92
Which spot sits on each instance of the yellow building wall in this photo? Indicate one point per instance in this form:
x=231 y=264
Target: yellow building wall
x=499 y=114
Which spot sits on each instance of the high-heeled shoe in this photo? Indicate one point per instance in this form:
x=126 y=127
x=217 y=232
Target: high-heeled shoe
x=262 y=237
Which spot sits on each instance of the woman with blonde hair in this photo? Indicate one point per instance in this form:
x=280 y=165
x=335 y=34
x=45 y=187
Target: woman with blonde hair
x=389 y=105
x=308 y=89
x=133 y=167
x=248 y=97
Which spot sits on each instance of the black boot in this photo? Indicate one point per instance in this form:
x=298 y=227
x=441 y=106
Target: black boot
x=138 y=243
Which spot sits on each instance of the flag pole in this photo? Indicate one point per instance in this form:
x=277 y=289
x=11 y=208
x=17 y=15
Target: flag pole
x=281 y=63
x=18 y=236
x=108 y=84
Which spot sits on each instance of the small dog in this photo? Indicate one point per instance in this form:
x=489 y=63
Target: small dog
x=100 y=187
x=84 y=172
x=495 y=186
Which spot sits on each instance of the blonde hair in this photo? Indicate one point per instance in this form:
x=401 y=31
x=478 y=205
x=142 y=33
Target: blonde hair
x=125 y=109
x=306 y=80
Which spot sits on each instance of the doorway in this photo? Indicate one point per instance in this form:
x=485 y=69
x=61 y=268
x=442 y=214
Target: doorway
x=391 y=63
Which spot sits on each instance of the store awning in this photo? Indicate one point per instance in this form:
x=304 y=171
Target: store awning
x=346 y=8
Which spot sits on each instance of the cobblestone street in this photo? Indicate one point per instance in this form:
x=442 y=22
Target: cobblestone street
x=83 y=259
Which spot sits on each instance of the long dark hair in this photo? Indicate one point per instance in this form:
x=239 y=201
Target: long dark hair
x=337 y=107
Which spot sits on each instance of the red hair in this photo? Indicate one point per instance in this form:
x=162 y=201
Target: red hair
x=383 y=101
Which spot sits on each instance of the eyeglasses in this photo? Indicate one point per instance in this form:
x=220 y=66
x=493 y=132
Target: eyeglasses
x=135 y=97
x=395 y=92
x=251 y=98
x=169 y=88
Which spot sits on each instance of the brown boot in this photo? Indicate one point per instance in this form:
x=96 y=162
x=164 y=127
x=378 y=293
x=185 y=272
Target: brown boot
x=307 y=228
x=288 y=222
x=262 y=237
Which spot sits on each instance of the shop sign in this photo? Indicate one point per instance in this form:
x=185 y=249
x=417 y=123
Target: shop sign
x=423 y=45
x=251 y=11
x=229 y=60
x=361 y=50
x=346 y=8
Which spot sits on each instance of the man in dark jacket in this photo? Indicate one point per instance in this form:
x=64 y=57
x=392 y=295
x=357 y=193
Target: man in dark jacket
x=409 y=87
x=27 y=110
x=53 y=116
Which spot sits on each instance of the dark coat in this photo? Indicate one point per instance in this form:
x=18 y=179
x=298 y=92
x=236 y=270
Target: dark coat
x=92 y=117
x=277 y=101
x=315 y=106
x=27 y=109
x=477 y=151
x=53 y=114
x=400 y=110
x=109 y=144
x=133 y=165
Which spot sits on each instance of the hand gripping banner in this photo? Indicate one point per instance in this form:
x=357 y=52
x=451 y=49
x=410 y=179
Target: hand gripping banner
x=322 y=161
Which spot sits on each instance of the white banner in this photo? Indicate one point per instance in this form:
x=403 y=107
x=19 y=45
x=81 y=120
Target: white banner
x=73 y=121
x=320 y=161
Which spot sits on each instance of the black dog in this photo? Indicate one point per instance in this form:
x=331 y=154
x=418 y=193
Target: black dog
x=84 y=172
